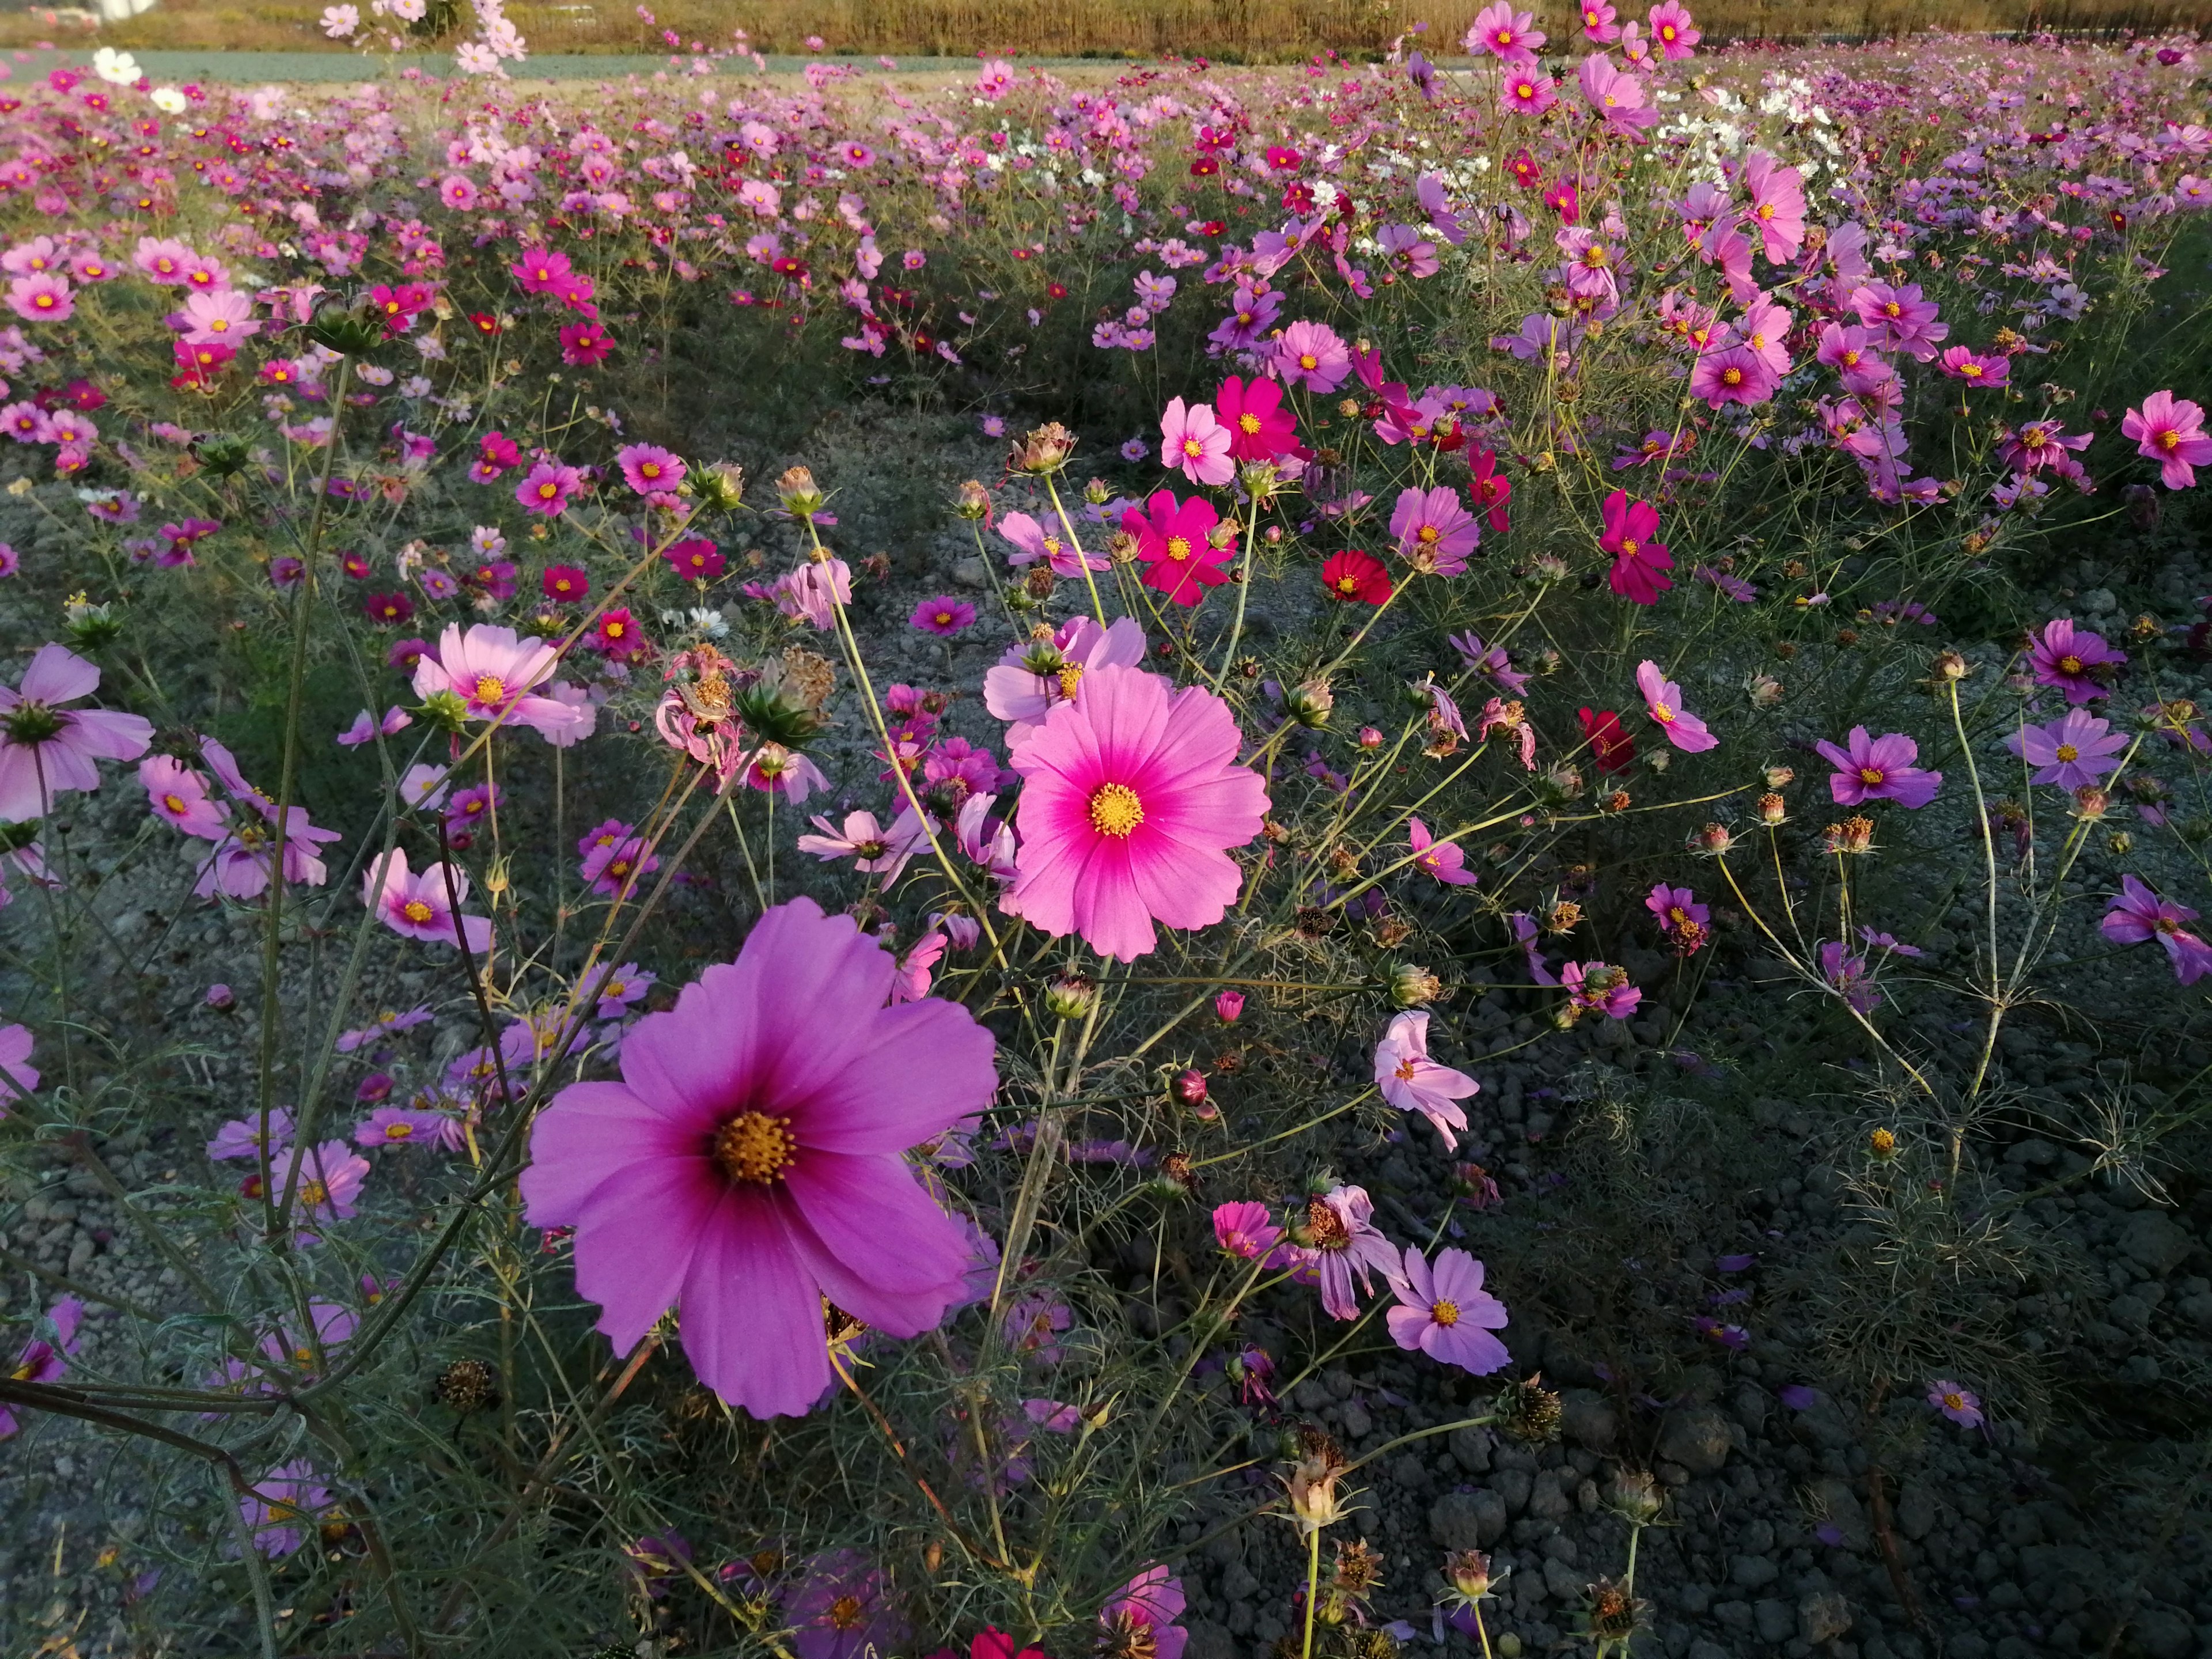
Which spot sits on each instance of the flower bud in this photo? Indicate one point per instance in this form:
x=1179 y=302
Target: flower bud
x=1467 y=1571
x=1122 y=548
x=1070 y=996
x=1853 y=835
x=721 y=486
x=1098 y=492
x=2091 y=802
x=1764 y=690
x=1229 y=1007
x=800 y=495
x=446 y=710
x=1713 y=841
x=2119 y=843
x=1773 y=811
x=1528 y=1412
x=1370 y=738
x=1413 y=987
x=1311 y=703
x=1881 y=1144
x=1950 y=665
x=1635 y=1497
x=1188 y=1087
x=974 y=501
x=220 y=999
x=1780 y=777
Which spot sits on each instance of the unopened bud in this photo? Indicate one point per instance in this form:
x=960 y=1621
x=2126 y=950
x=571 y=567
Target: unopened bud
x=1765 y=691
x=1780 y=777
x=1413 y=987
x=2091 y=802
x=1228 y=1007
x=1309 y=705
x=1070 y=996
x=974 y=501
x=1772 y=809
x=1188 y=1087
x=1950 y=665
x=1712 y=842
x=1635 y=1497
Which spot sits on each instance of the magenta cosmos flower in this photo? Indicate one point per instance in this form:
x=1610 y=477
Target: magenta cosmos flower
x=1879 y=768
x=497 y=676
x=1337 y=1241
x=2138 y=914
x=1173 y=541
x=944 y=615
x=750 y=1162
x=1141 y=1616
x=1637 y=559
x=1662 y=700
x=1131 y=803
x=1444 y=1312
x=2170 y=430
x=1435 y=532
x=1192 y=442
x=1242 y=1227
x=282 y=1508
x=1956 y=1401
x=547 y=487
x=2068 y=658
x=46 y=747
x=420 y=906
x=1259 y=429
x=842 y=1610
x=2072 y=751
x=1445 y=860
x=1671 y=31
x=1510 y=37
x=1413 y=1082
x=648 y=468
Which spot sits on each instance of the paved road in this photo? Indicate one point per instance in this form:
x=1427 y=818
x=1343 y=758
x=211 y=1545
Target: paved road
x=252 y=67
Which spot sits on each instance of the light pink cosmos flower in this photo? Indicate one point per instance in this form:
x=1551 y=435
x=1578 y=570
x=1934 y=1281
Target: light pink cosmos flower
x=1445 y=1313
x=283 y=1508
x=750 y=1162
x=497 y=676
x=2170 y=430
x=1313 y=355
x=1413 y=1082
x=15 y=1060
x=2072 y=751
x=1510 y=37
x=1435 y=532
x=1034 y=676
x=244 y=863
x=1033 y=541
x=179 y=795
x=872 y=848
x=1131 y=803
x=44 y=298
x=1616 y=96
x=1662 y=700
x=1671 y=29
x=1196 y=444
x=2137 y=914
x=225 y=316
x=1879 y=768
x=46 y=747
x=1598 y=26
x=1956 y=1401
x=329 y=1178
x=1338 y=1241
x=418 y=906
x=1777 y=202
x=1445 y=860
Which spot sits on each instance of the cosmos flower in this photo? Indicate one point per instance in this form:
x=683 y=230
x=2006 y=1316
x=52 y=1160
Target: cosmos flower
x=283 y=1508
x=1662 y=700
x=1196 y=444
x=1033 y=541
x=420 y=906
x=1139 y=1618
x=750 y=1162
x=1879 y=768
x=1435 y=532
x=1351 y=576
x=1445 y=1313
x=943 y=615
x=1413 y=1082
x=842 y=1609
x=1174 y=540
x=1956 y=1401
x=1445 y=860
x=1131 y=803
x=1510 y=37
x=2072 y=751
x=1313 y=355
x=1243 y=1229
x=496 y=677
x=1031 y=678
x=2069 y=658
x=2170 y=430
x=648 y=468
x=43 y=1360
x=2137 y=914
x=1339 y=1242
x=47 y=748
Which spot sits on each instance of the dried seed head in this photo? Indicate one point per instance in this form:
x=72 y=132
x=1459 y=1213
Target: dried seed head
x=1528 y=1411
x=466 y=1386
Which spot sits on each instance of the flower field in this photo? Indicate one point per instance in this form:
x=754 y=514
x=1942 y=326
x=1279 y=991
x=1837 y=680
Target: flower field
x=1397 y=853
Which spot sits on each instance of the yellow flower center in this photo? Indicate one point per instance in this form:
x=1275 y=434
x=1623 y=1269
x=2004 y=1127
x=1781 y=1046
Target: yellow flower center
x=1405 y=1073
x=1071 y=676
x=2069 y=665
x=398 y=1131
x=173 y=803
x=314 y=1193
x=1662 y=714
x=416 y=912
x=1446 y=1314
x=1954 y=1400
x=1178 y=548
x=755 y=1147
x=1115 y=810
x=490 y=688
x=1870 y=774
x=548 y=490
x=1732 y=376
x=1427 y=534
x=845 y=1612
x=1192 y=447
x=1628 y=546
x=2169 y=440
x=1250 y=423
x=2067 y=751
x=1307 y=360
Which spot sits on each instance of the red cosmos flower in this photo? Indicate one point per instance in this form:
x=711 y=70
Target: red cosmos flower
x=1490 y=490
x=1352 y=575
x=1282 y=158
x=1205 y=167
x=1524 y=170
x=388 y=609
x=1259 y=428
x=484 y=323
x=1612 y=747
x=1055 y=290
x=562 y=583
x=696 y=559
x=583 y=344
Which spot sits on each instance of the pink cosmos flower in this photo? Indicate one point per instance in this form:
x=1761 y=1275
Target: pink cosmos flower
x=44 y=298
x=1616 y=96
x=1599 y=988
x=1879 y=768
x=872 y=848
x=496 y=677
x=1681 y=918
x=1131 y=803
x=1637 y=559
x=329 y=1180
x=2137 y=914
x=1032 y=677
x=1733 y=375
x=41 y=1360
x=1508 y=35
x=1435 y=532
x=1242 y=1227
x=2072 y=751
x=1598 y=25
x=1956 y=1401
x=1140 y=1617
x=1259 y=428
x=943 y=615
x=46 y=747
x=1192 y=442
x=1313 y=355
x=1445 y=1313
x=179 y=795
x=1337 y=1241
x=240 y=1137
x=1662 y=700
x=1671 y=30
x=1173 y=541
x=419 y=906
x=399 y=1126
x=1900 y=319
x=1965 y=363
x=2068 y=658
x=648 y=469
x=1445 y=860
x=750 y=1162
x=283 y=1508
x=2169 y=430
x=1777 y=201
x=244 y=863
x=15 y=1058
x=1413 y=1082
x=547 y=487
x=1033 y=541
x=225 y=315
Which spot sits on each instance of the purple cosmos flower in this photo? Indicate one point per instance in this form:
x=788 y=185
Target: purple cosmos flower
x=842 y=1609
x=47 y=1361
x=1446 y=1314
x=1881 y=941
x=1797 y=1396
x=1445 y=860
x=1662 y=700
x=1490 y=660
x=623 y=988
x=281 y=1507
x=1413 y=1082
x=1435 y=532
x=46 y=747
x=241 y=1137
x=1336 y=1241
x=16 y=1043
x=1847 y=974
x=1141 y=1616
x=399 y=1126
x=1956 y=1401
x=944 y=615
x=2072 y=751
x=2138 y=914
x=2068 y=658
x=1879 y=768
x=1966 y=364
x=330 y=1179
